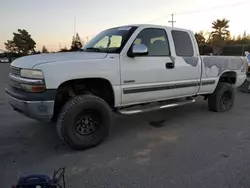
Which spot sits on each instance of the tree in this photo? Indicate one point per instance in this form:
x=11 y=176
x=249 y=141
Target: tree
x=220 y=31
x=37 y=52
x=22 y=43
x=244 y=35
x=200 y=38
x=64 y=49
x=219 y=35
x=76 y=43
x=44 y=50
x=244 y=39
x=238 y=38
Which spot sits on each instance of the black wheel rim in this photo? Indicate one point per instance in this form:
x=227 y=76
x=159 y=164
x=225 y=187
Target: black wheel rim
x=225 y=99
x=87 y=123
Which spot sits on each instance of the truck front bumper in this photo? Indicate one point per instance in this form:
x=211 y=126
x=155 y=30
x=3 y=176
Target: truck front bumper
x=36 y=106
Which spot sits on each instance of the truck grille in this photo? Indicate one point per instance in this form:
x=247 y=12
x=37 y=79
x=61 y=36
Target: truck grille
x=15 y=71
x=15 y=83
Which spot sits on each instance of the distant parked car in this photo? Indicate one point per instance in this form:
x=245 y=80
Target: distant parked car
x=4 y=60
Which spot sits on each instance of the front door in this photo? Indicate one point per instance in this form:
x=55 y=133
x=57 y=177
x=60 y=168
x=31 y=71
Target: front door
x=154 y=76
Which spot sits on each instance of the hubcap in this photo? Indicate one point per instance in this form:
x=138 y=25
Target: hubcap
x=86 y=124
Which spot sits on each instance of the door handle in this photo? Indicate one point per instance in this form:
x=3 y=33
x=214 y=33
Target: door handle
x=170 y=65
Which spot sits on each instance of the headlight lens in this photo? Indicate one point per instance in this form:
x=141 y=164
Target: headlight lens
x=29 y=73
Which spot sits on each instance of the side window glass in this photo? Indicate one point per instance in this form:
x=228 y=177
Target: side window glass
x=137 y=41
x=156 y=41
x=183 y=44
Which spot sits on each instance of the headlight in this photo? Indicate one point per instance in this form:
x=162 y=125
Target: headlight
x=32 y=80
x=29 y=73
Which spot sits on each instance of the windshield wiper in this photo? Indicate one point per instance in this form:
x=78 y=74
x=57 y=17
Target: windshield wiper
x=93 y=49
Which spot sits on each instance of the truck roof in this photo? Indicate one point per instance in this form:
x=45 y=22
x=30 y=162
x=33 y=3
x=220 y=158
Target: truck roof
x=154 y=25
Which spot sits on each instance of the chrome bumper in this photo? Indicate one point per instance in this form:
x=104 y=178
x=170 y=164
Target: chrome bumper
x=39 y=110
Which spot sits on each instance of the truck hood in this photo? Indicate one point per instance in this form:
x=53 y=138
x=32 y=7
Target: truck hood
x=32 y=60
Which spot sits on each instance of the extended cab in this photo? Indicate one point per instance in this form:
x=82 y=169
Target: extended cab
x=128 y=70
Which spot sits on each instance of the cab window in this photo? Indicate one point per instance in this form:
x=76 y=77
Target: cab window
x=156 y=41
x=183 y=44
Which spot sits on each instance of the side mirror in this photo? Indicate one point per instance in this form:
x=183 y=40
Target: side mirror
x=138 y=50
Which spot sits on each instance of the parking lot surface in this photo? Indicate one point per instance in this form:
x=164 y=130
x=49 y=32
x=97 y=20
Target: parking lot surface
x=187 y=146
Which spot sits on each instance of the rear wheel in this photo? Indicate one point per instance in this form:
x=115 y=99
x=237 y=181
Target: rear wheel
x=84 y=122
x=223 y=98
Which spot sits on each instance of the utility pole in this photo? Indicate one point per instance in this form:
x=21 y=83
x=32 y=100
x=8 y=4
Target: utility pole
x=172 y=20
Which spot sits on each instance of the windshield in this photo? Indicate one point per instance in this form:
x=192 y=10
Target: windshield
x=111 y=40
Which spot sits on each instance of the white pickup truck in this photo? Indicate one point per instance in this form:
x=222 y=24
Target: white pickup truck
x=128 y=70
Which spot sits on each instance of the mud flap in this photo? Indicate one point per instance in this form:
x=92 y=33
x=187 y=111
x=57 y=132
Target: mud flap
x=246 y=86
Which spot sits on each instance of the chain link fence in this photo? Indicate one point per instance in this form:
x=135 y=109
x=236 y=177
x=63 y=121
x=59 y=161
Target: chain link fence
x=226 y=50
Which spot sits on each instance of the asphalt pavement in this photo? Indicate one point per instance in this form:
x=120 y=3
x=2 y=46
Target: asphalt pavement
x=181 y=147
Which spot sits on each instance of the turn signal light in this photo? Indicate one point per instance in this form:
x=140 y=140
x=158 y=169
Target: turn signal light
x=33 y=88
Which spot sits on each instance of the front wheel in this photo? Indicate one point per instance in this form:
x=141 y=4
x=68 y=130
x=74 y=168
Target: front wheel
x=84 y=122
x=223 y=98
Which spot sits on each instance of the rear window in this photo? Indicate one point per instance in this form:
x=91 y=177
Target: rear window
x=183 y=43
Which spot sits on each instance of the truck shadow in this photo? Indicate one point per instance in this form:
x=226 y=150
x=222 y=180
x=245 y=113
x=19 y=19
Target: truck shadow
x=165 y=119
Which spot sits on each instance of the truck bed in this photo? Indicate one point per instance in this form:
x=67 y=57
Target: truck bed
x=218 y=64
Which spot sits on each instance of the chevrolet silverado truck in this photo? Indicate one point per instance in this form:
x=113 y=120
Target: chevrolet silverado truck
x=129 y=69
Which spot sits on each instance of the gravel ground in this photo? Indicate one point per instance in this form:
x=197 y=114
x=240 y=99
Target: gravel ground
x=180 y=147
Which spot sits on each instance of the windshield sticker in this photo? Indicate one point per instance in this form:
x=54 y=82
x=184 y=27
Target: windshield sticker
x=124 y=28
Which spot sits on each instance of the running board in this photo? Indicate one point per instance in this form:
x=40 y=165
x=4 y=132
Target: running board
x=155 y=106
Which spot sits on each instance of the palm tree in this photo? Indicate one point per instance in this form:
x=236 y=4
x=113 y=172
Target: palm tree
x=220 y=34
x=220 y=31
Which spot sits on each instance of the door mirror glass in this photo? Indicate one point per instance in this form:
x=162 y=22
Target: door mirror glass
x=139 y=50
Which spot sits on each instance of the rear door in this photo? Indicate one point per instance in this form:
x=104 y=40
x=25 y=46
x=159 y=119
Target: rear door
x=187 y=62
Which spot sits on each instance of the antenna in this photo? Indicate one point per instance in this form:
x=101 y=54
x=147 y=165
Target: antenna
x=74 y=25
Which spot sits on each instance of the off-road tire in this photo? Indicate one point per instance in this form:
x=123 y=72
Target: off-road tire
x=223 y=98
x=78 y=106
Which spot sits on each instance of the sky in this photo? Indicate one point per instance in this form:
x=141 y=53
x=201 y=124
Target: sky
x=51 y=22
